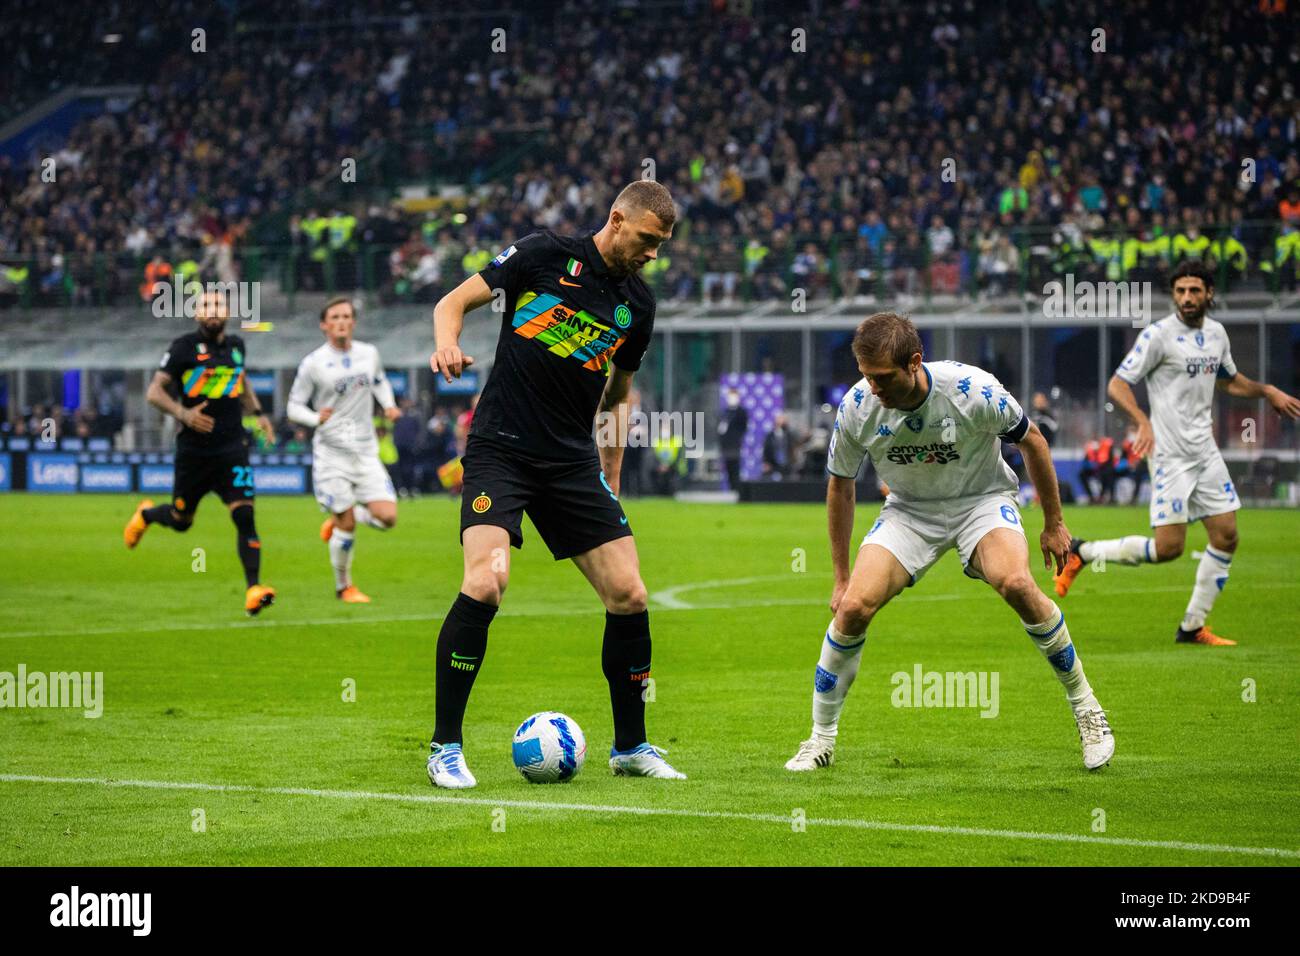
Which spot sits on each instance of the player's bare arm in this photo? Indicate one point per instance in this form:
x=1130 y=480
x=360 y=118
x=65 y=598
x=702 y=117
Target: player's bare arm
x=615 y=401
x=841 y=498
x=159 y=395
x=448 y=319
x=1055 y=537
x=249 y=403
x=1239 y=386
x=1121 y=393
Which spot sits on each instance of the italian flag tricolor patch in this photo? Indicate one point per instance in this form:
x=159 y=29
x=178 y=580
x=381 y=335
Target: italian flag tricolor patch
x=574 y=267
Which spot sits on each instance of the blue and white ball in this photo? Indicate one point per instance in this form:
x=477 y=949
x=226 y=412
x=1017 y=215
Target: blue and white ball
x=549 y=748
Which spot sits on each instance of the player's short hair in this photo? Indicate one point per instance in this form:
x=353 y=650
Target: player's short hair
x=1192 y=269
x=337 y=300
x=648 y=194
x=886 y=336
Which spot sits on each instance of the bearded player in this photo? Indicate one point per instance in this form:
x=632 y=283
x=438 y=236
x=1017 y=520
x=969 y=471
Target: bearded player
x=576 y=322
x=335 y=392
x=206 y=369
x=1183 y=358
x=933 y=432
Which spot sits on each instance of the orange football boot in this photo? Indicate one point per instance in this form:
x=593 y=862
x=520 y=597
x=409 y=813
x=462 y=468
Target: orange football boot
x=1073 y=565
x=258 y=597
x=327 y=529
x=1203 y=636
x=352 y=595
x=137 y=526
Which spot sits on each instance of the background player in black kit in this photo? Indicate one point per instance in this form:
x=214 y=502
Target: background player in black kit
x=206 y=368
x=577 y=321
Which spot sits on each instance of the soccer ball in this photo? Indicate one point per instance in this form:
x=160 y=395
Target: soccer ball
x=549 y=748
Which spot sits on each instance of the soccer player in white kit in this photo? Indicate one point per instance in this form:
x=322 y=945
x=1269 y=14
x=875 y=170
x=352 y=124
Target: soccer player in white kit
x=932 y=430
x=1183 y=357
x=334 y=392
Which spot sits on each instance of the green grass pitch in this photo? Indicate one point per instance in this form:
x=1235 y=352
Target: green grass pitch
x=251 y=713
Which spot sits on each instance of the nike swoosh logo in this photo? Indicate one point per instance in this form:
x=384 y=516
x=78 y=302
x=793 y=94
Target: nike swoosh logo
x=576 y=285
x=457 y=657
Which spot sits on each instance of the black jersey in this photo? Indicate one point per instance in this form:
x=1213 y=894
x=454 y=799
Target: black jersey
x=567 y=320
x=212 y=372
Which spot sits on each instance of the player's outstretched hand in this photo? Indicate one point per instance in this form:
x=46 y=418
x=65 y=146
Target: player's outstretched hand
x=393 y=414
x=837 y=595
x=450 y=362
x=325 y=414
x=268 y=430
x=1285 y=404
x=1145 y=443
x=1055 y=542
x=195 y=419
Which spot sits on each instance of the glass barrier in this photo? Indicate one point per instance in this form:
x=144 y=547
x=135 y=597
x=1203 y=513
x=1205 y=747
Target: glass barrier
x=329 y=254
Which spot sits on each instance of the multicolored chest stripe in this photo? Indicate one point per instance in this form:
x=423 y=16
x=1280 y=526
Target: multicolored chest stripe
x=213 y=381
x=577 y=335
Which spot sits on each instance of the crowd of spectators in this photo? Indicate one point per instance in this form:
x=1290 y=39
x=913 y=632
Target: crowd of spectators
x=886 y=149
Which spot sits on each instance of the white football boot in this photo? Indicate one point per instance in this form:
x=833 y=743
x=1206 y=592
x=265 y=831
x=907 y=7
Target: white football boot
x=447 y=768
x=645 y=760
x=813 y=753
x=1094 y=733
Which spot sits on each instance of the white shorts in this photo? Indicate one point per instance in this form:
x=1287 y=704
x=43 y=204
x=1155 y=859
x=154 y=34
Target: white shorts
x=342 y=479
x=1189 y=489
x=918 y=533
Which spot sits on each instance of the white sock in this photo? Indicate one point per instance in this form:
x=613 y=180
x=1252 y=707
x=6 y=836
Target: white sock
x=836 y=670
x=362 y=514
x=1134 y=549
x=341 y=557
x=1052 y=638
x=1211 y=576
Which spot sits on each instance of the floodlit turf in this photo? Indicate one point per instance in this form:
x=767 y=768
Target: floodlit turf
x=197 y=694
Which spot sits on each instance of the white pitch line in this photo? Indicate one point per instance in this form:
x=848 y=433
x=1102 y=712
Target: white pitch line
x=667 y=600
x=659 y=812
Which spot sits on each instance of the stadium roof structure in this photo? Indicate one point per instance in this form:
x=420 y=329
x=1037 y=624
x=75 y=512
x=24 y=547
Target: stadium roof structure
x=133 y=338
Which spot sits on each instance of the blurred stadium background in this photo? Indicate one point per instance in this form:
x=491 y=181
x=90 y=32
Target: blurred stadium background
x=139 y=142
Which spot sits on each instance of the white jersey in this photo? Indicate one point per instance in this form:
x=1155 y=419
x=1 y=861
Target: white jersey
x=349 y=383
x=947 y=447
x=1180 y=365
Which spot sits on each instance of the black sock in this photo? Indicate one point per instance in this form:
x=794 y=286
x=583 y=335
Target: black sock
x=461 y=645
x=162 y=514
x=625 y=659
x=250 y=548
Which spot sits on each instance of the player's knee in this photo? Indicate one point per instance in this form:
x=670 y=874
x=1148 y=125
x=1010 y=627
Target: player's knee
x=1168 y=550
x=388 y=521
x=627 y=597
x=855 y=613
x=1225 y=541
x=1015 y=585
x=484 y=584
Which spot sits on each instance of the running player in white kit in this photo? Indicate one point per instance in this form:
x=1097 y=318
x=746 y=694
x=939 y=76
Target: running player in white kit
x=932 y=430
x=334 y=392
x=1183 y=358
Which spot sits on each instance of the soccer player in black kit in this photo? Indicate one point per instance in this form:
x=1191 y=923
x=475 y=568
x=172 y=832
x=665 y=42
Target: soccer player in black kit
x=206 y=368
x=577 y=320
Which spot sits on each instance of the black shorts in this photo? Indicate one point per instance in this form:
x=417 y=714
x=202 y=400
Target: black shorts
x=570 y=503
x=227 y=473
